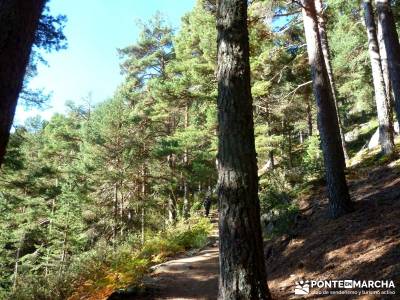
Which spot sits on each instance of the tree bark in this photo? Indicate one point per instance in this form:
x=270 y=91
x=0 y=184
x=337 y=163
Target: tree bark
x=172 y=215
x=327 y=58
x=384 y=63
x=18 y=23
x=115 y=213
x=186 y=205
x=242 y=265
x=386 y=77
x=328 y=126
x=144 y=199
x=309 y=118
x=385 y=128
x=392 y=45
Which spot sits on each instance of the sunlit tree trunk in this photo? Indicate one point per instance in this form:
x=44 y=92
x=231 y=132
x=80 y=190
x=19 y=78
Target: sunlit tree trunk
x=392 y=45
x=327 y=58
x=144 y=199
x=172 y=214
x=309 y=117
x=18 y=23
x=186 y=205
x=242 y=265
x=328 y=126
x=16 y=265
x=115 y=213
x=385 y=128
x=386 y=77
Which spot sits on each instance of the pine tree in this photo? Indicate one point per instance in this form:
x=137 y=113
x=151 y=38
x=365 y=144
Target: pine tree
x=327 y=58
x=339 y=198
x=392 y=45
x=382 y=101
x=242 y=268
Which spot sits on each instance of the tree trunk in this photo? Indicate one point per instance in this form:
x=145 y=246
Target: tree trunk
x=18 y=23
x=289 y=136
x=392 y=45
x=143 y=225
x=115 y=214
x=271 y=159
x=186 y=206
x=328 y=126
x=327 y=59
x=309 y=118
x=144 y=196
x=16 y=265
x=269 y=133
x=242 y=265
x=384 y=63
x=385 y=128
x=63 y=256
x=386 y=77
x=172 y=215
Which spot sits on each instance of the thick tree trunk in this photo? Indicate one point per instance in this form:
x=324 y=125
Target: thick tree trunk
x=327 y=58
x=242 y=265
x=18 y=23
x=385 y=128
x=339 y=199
x=392 y=45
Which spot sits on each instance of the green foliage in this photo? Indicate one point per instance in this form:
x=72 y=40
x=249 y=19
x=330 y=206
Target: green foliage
x=182 y=236
x=106 y=266
x=313 y=163
x=278 y=208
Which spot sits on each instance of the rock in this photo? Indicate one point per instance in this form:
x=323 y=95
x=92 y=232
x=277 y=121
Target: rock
x=374 y=141
x=352 y=135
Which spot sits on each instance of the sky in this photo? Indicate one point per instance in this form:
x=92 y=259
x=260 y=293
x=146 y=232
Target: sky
x=90 y=64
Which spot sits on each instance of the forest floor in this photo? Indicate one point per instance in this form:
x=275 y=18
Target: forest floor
x=363 y=245
x=193 y=275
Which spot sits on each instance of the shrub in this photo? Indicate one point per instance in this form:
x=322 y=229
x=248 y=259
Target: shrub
x=109 y=267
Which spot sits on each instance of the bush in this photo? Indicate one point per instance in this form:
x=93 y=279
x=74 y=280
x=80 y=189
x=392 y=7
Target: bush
x=278 y=212
x=108 y=267
x=313 y=159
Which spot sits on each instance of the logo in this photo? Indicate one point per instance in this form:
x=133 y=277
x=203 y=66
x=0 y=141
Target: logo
x=302 y=287
x=344 y=287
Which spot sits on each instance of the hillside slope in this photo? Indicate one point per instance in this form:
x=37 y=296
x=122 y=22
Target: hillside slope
x=364 y=245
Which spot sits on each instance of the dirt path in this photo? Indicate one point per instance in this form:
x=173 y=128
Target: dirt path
x=194 y=277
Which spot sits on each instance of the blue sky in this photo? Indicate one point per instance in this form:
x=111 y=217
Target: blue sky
x=95 y=29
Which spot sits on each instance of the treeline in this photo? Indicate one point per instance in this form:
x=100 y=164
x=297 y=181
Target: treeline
x=146 y=158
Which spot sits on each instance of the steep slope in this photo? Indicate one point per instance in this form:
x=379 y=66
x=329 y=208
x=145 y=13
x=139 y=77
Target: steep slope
x=363 y=245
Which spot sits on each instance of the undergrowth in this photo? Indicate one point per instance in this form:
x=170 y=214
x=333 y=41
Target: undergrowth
x=97 y=273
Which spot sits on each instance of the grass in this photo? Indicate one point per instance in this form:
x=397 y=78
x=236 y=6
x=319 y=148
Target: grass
x=96 y=274
x=364 y=133
x=129 y=266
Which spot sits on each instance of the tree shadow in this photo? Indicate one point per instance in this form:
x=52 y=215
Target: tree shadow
x=363 y=245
